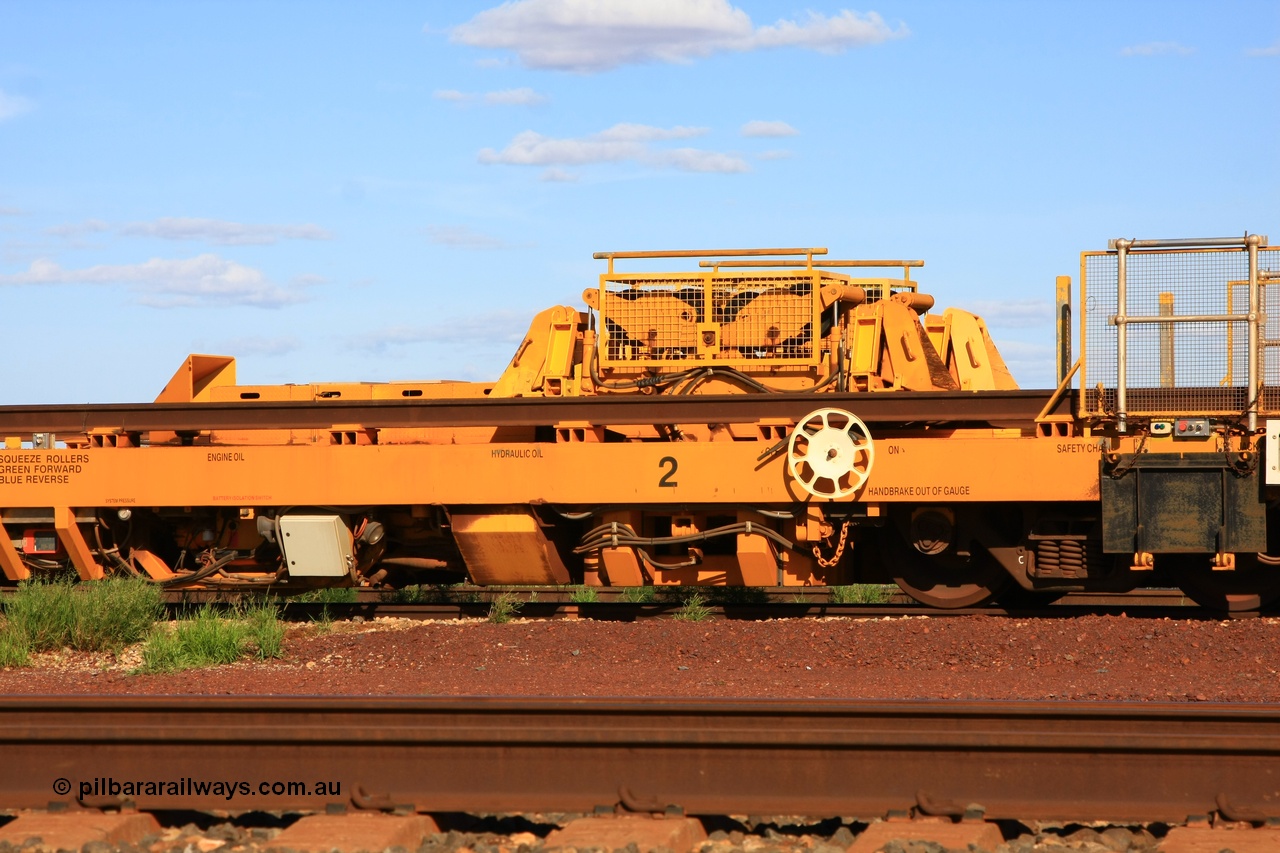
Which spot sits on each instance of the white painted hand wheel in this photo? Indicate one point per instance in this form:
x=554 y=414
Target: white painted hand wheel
x=830 y=453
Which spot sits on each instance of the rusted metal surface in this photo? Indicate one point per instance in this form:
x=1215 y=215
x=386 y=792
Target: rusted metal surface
x=1079 y=761
x=997 y=408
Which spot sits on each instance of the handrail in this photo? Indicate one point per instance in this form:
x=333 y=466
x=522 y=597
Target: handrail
x=822 y=263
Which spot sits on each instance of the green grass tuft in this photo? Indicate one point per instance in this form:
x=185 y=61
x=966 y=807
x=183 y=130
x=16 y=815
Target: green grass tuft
x=330 y=595
x=431 y=594
x=862 y=593
x=43 y=614
x=163 y=652
x=116 y=613
x=694 y=609
x=584 y=595
x=503 y=607
x=266 y=631
x=638 y=595
x=14 y=650
x=103 y=616
x=207 y=638
x=723 y=595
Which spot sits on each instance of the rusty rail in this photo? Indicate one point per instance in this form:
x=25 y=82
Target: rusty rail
x=1081 y=761
x=996 y=408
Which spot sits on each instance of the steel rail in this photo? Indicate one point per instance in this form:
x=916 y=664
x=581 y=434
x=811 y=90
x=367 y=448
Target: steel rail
x=1125 y=762
x=994 y=408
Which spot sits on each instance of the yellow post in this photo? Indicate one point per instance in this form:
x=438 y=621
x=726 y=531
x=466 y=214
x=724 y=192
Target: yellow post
x=1166 y=341
x=1063 y=314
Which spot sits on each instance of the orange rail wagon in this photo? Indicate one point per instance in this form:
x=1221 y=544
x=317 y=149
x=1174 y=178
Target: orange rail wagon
x=766 y=418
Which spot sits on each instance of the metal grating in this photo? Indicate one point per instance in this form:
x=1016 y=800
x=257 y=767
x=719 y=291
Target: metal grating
x=738 y=319
x=1184 y=368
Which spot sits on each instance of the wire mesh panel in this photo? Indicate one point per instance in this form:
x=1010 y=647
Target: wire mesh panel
x=1181 y=368
x=652 y=320
x=736 y=320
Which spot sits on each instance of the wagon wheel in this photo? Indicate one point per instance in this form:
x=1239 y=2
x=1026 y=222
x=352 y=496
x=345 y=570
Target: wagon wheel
x=1251 y=585
x=830 y=453
x=943 y=580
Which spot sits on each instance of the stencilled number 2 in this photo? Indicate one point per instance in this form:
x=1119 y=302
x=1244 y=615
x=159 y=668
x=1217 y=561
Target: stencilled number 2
x=671 y=465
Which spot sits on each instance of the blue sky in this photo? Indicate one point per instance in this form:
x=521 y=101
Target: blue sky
x=390 y=191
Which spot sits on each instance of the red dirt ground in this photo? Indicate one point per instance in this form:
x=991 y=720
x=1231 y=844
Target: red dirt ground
x=1084 y=658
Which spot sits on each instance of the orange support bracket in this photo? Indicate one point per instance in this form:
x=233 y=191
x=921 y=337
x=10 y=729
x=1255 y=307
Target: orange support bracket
x=155 y=567
x=10 y=561
x=64 y=522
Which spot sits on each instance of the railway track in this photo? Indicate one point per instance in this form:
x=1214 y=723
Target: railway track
x=994 y=760
x=612 y=606
x=995 y=408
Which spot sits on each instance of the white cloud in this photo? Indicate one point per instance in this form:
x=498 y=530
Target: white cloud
x=1017 y=313
x=622 y=142
x=1157 y=48
x=1025 y=354
x=12 y=105
x=558 y=176
x=828 y=35
x=523 y=96
x=259 y=345
x=626 y=132
x=531 y=148
x=1273 y=50
x=78 y=229
x=697 y=160
x=501 y=328
x=462 y=237
x=168 y=283
x=596 y=35
x=768 y=128
x=11 y=211
x=774 y=154
x=223 y=233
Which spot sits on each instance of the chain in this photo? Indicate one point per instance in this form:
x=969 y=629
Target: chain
x=835 y=558
x=1120 y=470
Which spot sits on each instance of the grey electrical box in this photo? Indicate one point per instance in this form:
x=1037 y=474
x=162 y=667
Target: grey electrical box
x=315 y=546
x=1192 y=428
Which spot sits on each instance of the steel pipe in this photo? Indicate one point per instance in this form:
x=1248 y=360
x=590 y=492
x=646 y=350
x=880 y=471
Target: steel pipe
x=1170 y=319
x=1189 y=242
x=1122 y=247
